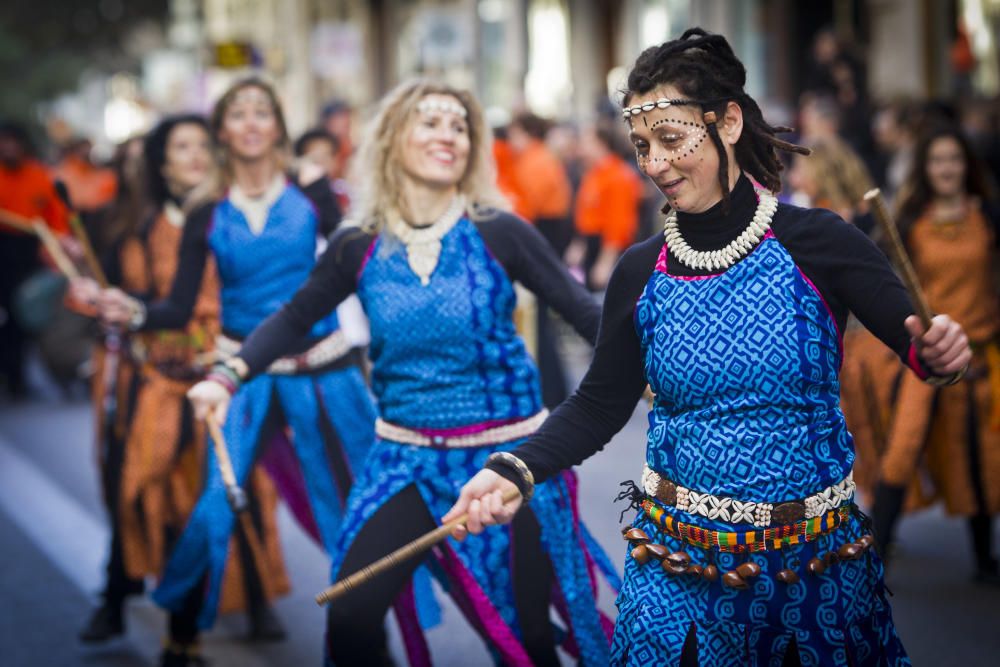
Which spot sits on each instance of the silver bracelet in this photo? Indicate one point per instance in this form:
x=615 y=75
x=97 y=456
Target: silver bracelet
x=511 y=461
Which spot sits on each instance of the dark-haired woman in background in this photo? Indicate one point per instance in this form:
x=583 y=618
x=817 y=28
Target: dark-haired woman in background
x=747 y=547
x=950 y=228
x=154 y=476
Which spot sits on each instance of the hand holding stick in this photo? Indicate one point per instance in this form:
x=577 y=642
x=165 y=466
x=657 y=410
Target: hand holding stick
x=405 y=552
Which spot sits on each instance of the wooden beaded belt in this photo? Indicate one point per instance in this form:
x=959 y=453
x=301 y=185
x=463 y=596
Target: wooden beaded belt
x=731 y=510
x=491 y=436
x=753 y=541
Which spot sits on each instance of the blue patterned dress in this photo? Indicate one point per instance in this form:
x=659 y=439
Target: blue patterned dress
x=447 y=360
x=755 y=418
x=330 y=412
x=744 y=367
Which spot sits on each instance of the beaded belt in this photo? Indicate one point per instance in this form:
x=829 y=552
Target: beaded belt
x=323 y=353
x=735 y=511
x=490 y=436
x=764 y=539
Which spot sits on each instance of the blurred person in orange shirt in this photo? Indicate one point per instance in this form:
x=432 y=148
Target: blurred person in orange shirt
x=543 y=198
x=607 y=207
x=541 y=181
x=27 y=190
x=90 y=187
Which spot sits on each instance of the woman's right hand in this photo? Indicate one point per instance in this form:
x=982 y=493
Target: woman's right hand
x=116 y=307
x=208 y=397
x=482 y=499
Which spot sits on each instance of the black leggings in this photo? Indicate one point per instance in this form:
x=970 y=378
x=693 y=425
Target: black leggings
x=355 y=630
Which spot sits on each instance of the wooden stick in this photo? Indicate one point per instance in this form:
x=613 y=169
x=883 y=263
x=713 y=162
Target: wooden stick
x=15 y=221
x=233 y=490
x=899 y=256
x=405 y=552
x=55 y=250
x=88 y=250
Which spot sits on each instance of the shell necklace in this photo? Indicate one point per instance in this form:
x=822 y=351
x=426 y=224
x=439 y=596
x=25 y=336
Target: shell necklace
x=734 y=251
x=423 y=244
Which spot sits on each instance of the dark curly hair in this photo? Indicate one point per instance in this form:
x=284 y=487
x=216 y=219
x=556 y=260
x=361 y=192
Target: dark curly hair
x=155 y=152
x=705 y=69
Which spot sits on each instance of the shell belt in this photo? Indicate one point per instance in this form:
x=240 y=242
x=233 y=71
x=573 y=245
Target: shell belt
x=490 y=436
x=731 y=510
x=323 y=353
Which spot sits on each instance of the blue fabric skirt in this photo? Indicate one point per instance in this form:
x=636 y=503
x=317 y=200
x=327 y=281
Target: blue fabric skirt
x=478 y=568
x=838 y=619
x=305 y=401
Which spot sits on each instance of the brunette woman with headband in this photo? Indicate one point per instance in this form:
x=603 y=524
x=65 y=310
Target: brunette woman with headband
x=261 y=231
x=433 y=262
x=746 y=547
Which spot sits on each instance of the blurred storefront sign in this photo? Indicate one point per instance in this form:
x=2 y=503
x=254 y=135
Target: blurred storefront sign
x=337 y=51
x=235 y=55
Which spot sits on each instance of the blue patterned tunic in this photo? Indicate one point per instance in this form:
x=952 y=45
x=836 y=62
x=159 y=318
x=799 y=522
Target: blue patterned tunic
x=329 y=411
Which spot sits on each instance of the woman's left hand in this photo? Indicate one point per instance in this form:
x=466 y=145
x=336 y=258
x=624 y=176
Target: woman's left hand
x=943 y=348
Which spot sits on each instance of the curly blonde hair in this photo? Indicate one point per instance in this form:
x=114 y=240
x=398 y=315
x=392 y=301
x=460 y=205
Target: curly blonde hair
x=376 y=170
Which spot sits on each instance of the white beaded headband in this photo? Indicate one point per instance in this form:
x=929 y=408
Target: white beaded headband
x=662 y=103
x=429 y=106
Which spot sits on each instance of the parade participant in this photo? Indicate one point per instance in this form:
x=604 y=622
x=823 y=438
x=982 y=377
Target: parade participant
x=951 y=232
x=153 y=475
x=262 y=234
x=433 y=264
x=544 y=197
x=607 y=207
x=747 y=548
x=26 y=190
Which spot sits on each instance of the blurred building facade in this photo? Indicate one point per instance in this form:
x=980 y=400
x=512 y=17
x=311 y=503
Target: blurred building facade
x=560 y=58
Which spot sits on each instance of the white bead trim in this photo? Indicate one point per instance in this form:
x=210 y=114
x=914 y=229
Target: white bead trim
x=324 y=352
x=429 y=106
x=734 y=251
x=491 y=436
x=759 y=514
x=662 y=103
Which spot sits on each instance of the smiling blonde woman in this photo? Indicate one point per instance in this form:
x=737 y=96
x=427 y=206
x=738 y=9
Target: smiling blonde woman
x=433 y=263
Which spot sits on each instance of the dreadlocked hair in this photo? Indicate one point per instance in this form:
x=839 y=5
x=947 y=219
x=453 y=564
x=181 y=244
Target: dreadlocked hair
x=705 y=69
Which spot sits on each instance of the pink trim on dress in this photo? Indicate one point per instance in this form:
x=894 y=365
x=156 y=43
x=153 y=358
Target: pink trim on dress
x=829 y=311
x=476 y=603
x=368 y=255
x=467 y=429
x=913 y=361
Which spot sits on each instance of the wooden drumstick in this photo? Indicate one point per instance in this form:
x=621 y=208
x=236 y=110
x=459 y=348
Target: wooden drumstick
x=88 y=250
x=238 y=502
x=51 y=243
x=405 y=552
x=899 y=256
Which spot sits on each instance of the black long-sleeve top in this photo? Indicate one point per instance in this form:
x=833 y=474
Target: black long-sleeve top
x=847 y=269
x=175 y=311
x=521 y=250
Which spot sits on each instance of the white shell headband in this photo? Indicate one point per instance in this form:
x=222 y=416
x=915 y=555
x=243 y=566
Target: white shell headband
x=429 y=106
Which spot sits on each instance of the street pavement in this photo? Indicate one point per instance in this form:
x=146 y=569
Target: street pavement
x=53 y=538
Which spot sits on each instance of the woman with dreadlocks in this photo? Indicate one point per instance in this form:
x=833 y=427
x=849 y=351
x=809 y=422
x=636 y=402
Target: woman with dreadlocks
x=747 y=547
